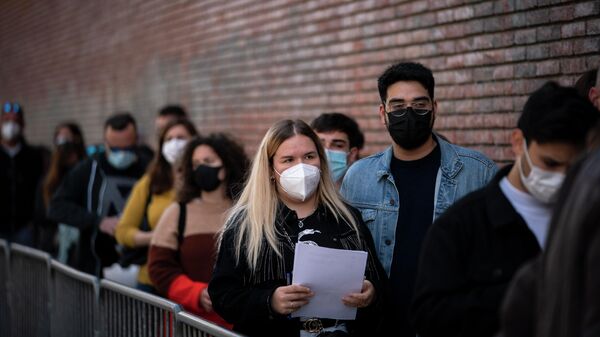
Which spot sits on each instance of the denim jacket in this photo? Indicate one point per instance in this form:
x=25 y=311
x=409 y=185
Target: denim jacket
x=369 y=186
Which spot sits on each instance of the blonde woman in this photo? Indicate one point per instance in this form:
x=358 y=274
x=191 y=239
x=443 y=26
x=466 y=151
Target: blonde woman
x=289 y=198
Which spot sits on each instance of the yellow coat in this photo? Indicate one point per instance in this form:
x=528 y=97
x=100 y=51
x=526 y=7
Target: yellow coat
x=133 y=215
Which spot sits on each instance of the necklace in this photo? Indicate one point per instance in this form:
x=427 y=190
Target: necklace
x=301 y=220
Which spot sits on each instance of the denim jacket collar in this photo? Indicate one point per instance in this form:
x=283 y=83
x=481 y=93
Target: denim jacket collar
x=450 y=164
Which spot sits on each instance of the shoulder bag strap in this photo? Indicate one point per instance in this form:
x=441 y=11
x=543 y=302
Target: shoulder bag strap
x=182 y=217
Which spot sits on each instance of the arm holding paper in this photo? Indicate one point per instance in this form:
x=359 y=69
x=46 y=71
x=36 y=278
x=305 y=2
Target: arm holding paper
x=260 y=305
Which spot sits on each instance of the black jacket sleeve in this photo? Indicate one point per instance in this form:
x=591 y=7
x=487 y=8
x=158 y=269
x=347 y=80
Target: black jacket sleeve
x=238 y=302
x=445 y=302
x=69 y=203
x=519 y=305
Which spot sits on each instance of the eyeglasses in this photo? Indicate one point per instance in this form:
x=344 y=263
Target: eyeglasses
x=11 y=107
x=400 y=108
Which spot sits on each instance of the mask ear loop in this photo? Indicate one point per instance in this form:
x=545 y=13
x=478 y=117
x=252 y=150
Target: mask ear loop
x=527 y=155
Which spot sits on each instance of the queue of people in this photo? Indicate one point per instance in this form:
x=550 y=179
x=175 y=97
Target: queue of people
x=455 y=245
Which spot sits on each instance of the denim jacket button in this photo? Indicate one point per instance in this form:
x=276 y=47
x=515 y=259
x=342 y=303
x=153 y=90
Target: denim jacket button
x=388 y=242
x=392 y=202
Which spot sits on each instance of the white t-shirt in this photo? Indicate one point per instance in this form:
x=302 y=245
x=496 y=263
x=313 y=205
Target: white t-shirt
x=535 y=213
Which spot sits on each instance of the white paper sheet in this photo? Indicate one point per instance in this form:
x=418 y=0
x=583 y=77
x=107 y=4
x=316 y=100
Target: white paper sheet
x=331 y=274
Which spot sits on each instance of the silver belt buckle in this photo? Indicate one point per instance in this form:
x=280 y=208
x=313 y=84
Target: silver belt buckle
x=312 y=325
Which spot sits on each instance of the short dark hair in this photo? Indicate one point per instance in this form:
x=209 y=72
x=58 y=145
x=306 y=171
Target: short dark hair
x=336 y=121
x=554 y=113
x=119 y=121
x=173 y=110
x=405 y=71
x=586 y=81
x=234 y=160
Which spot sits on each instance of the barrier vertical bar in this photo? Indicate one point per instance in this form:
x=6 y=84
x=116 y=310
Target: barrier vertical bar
x=29 y=292
x=4 y=289
x=189 y=325
x=119 y=317
x=74 y=302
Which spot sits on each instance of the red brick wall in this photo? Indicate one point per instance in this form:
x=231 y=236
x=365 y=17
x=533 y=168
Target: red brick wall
x=240 y=65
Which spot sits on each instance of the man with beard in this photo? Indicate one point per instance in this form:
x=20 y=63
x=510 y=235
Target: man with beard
x=92 y=195
x=401 y=190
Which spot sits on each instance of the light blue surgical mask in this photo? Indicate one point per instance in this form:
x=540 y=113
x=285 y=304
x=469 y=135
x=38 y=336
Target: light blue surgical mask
x=121 y=159
x=338 y=163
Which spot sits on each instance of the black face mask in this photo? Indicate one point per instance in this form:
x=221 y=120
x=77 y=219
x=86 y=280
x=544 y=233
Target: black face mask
x=207 y=177
x=410 y=130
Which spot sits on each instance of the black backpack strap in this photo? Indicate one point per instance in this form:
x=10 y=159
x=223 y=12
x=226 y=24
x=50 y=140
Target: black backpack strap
x=182 y=217
x=145 y=225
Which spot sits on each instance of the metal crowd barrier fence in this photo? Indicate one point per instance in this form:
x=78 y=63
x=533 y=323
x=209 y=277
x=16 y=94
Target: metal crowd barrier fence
x=190 y=326
x=74 y=302
x=42 y=297
x=130 y=312
x=29 y=292
x=4 y=308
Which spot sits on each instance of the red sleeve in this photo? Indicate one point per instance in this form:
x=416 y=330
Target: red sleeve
x=163 y=267
x=187 y=293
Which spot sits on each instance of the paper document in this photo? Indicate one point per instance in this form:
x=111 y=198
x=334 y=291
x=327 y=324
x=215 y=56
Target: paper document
x=331 y=274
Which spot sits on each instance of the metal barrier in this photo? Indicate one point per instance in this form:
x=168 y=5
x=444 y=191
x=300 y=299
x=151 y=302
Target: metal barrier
x=129 y=312
x=4 y=278
x=189 y=325
x=74 y=310
x=40 y=297
x=29 y=292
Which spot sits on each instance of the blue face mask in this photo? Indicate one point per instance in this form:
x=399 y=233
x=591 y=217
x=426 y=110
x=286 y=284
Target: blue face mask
x=338 y=163
x=121 y=159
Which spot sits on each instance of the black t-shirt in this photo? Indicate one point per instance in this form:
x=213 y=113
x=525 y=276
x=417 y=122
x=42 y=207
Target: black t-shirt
x=415 y=181
x=312 y=230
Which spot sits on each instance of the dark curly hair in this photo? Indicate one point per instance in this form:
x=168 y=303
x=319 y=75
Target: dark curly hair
x=404 y=72
x=234 y=160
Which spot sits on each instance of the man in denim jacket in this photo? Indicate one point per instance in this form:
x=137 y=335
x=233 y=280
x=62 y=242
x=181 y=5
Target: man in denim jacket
x=401 y=190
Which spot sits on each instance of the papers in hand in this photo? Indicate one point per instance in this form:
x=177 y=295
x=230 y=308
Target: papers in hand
x=331 y=274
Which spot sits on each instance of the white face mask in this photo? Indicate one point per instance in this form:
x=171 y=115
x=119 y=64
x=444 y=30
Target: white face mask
x=173 y=149
x=300 y=181
x=10 y=130
x=542 y=185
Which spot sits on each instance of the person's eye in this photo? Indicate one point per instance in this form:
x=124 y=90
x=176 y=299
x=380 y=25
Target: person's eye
x=551 y=163
x=420 y=105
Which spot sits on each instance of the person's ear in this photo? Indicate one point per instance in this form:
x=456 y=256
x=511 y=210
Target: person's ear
x=382 y=115
x=516 y=141
x=352 y=155
x=594 y=96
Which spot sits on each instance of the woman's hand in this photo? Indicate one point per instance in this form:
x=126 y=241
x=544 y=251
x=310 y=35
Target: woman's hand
x=142 y=238
x=362 y=299
x=287 y=299
x=205 y=301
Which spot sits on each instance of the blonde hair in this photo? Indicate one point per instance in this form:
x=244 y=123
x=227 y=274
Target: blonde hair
x=254 y=214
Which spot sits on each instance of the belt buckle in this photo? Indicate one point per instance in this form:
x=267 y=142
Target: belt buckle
x=313 y=325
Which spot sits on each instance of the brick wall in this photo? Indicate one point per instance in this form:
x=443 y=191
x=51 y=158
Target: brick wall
x=240 y=65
